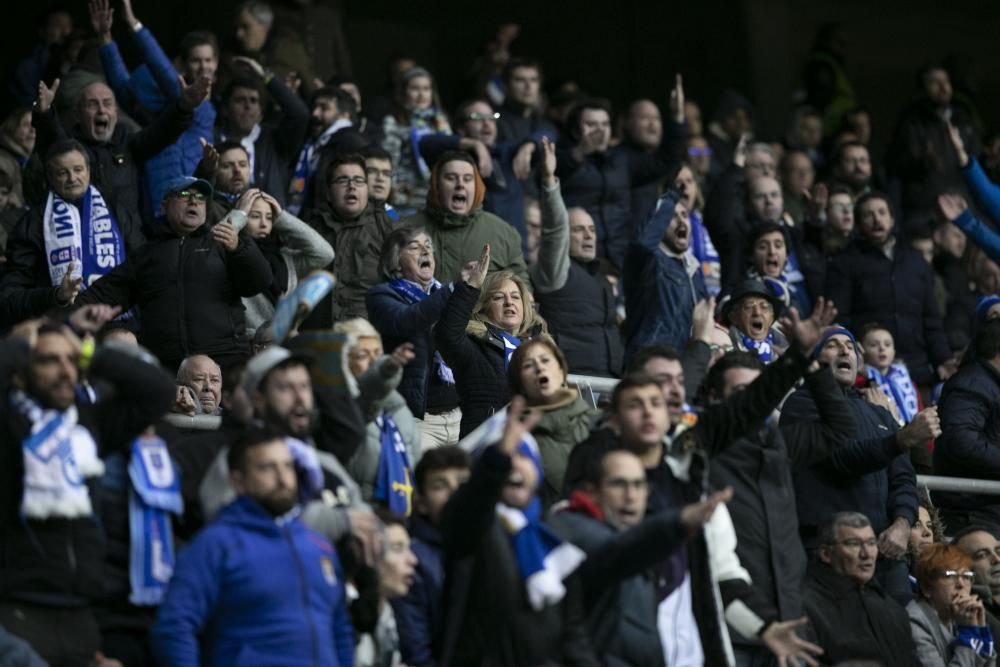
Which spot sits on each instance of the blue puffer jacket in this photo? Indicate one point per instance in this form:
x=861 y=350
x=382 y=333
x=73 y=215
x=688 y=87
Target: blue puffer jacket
x=660 y=290
x=257 y=593
x=144 y=94
x=420 y=614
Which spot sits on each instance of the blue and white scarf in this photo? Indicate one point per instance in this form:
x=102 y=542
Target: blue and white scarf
x=543 y=559
x=306 y=165
x=58 y=454
x=979 y=639
x=898 y=386
x=510 y=344
x=88 y=236
x=704 y=251
x=392 y=479
x=154 y=494
x=763 y=348
x=413 y=294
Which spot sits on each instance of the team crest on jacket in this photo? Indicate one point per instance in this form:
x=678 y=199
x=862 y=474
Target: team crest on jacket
x=329 y=573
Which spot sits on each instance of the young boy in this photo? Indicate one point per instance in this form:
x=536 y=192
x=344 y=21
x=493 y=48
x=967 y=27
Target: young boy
x=883 y=371
x=420 y=613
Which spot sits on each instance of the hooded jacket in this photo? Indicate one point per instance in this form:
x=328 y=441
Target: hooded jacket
x=459 y=239
x=256 y=590
x=564 y=424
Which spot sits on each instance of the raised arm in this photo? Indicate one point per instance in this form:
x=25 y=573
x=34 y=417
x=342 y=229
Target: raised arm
x=955 y=208
x=552 y=269
x=813 y=440
x=310 y=250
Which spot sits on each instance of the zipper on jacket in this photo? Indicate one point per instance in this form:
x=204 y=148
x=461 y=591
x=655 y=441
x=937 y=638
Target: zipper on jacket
x=286 y=531
x=182 y=325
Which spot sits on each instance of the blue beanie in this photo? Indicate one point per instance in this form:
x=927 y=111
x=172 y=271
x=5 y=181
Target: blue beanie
x=831 y=331
x=983 y=306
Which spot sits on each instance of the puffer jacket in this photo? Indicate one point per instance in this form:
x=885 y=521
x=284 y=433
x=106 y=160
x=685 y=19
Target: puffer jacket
x=188 y=290
x=565 y=423
x=357 y=245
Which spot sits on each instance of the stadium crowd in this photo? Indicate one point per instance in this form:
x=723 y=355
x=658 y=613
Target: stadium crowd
x=286 y=366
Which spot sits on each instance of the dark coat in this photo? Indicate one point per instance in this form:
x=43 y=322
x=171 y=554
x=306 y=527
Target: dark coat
x=514 y=126
x=870 y=474
x=969 y=445
x=856 y=622
x=420 y=613
x=189 y=293
x=60 y=562
x=660 y=290
x=602 y=183
x=759 y=468
x=26 y=289
x=398 y=322
x=867 y=286
x=583 y=320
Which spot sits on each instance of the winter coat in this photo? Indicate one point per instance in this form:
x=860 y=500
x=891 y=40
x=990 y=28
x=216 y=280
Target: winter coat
x=398 y=322
x=475 y=352
x=565 y=423
x=60 y=562
x=460 y=239
x=420 y=613
x=661 y=289
x=969 y=445
x=583 y=319
x=870 y=474
x=26 y=288
x=868 y=287
x=854 y=621
x=602 y=183
x=357 y=245
x=983 y=190
x=759 y=468
x=378 y=397
x=516 y=126
x=188 y=291
x=936 y=644
x=295 y=615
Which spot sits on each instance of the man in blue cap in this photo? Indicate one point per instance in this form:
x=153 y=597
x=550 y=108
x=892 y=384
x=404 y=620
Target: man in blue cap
x=188 y=280
x=872 y=473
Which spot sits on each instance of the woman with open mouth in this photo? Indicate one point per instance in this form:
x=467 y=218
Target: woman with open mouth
x=484 y=322
x=538 y=372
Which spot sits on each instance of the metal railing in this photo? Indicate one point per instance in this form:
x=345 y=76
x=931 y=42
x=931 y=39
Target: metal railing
x=196 y=423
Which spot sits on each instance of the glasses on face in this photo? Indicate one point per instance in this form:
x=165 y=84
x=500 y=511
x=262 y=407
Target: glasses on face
x=700 y=151
x=344 y=181
x=761 y=305
x=191 y=195
x=856 y=544
x=417 y=247
x=483 y=116
x=967 y=575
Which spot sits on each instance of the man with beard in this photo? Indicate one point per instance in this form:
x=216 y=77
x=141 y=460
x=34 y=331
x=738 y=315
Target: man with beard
x=663 y=280
x=852 y=167
x=218 y=606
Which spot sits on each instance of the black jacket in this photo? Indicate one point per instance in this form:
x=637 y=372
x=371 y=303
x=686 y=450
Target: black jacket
x=866 y=286
x=759 y=468
x=489 y=619
x=26 y=289
x=60 y=562
x=870 y=474
x=969 y=445
x=189 y=293
x=399 y=321
x=856 y=622
x=583 y=321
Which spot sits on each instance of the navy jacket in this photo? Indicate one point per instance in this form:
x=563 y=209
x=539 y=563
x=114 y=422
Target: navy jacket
x=420 y=614
x=660 y=293
x=256 y=593
x=870 y=474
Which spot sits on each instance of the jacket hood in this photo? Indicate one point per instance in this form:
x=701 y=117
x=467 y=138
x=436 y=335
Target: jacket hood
x=484 y=330
x=332 y=220
x=438 y=211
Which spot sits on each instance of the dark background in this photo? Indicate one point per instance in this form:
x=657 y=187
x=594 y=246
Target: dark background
x=625 y=49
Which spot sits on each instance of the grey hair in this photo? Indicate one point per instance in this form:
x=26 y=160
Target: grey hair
x=828 y=531
x=760 y=147
x=259 y=10
x=388 y=262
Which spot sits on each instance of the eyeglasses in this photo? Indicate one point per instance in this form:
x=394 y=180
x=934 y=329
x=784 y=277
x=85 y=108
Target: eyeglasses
x=483 y=116
x=856 y=544
x=968 y=575
x=750 y=306
x=700 y=151
x=344 y=181
x=192 y=195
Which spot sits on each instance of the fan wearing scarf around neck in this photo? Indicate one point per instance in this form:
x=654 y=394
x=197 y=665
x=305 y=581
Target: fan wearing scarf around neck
x=512 y=595
x=58 y=518
x=383 y=465
x=292 y=248
x=538 y=371
x=752 y=311
x=67 y=243
x=405 y=308
x=415 y=116
x=484 y=321
x=892 y=377
x=769 y=247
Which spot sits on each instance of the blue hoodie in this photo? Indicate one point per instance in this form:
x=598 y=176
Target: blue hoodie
x=257 y=592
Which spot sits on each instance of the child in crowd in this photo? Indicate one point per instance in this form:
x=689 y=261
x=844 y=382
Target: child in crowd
x=883 y=371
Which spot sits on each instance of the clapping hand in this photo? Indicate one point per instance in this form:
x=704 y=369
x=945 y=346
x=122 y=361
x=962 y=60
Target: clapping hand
x=478 y=274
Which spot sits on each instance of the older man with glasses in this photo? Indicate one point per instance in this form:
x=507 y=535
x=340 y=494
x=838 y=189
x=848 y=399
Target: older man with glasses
x=187 y=280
